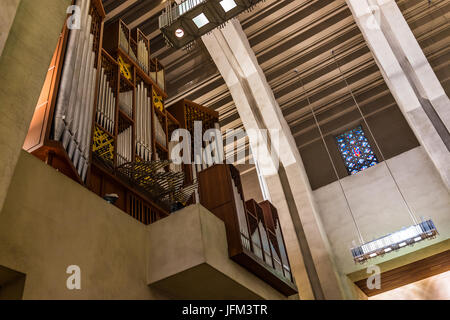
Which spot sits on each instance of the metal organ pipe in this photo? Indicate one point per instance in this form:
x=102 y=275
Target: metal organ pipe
x=75 y=101
x=149 y=127
x=124 y=150
x=84 y=112
x=107 y=104
x=143 y=122
x=99 y=116
x=80 y=107
x=76 y=93
x=70 y=61
x=143 y=55
x=86 y=132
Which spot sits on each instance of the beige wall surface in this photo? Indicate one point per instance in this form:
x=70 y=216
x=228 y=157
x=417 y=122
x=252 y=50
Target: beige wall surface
x=50 y=222
x=379 y=209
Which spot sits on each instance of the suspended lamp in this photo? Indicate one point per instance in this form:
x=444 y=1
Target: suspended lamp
x=183 y=23
x=394 y=241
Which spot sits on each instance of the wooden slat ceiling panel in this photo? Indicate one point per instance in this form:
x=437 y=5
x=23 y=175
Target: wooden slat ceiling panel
x=292 y=34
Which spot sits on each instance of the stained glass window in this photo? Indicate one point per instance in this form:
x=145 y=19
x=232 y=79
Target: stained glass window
x=356 y=150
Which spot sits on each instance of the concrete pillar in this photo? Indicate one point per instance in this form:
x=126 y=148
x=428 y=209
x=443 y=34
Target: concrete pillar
x=412 y=59
x=7 y=14
x=406 y=84
x=24 y=63
x=288 y=185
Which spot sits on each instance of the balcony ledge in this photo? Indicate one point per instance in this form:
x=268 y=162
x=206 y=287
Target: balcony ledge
x=187 y=257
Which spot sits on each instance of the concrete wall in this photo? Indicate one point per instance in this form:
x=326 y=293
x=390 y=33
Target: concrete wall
x=378 y=207
x=49 y=222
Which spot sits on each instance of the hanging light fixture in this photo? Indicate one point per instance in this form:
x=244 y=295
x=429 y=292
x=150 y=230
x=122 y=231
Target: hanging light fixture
x=419 y=231
x=394 y=241
x=183 y=23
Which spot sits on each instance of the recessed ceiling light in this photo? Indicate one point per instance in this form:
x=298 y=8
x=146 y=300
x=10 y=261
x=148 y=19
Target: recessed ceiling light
x=179 y=33
x=228 y=5
x=200 y=20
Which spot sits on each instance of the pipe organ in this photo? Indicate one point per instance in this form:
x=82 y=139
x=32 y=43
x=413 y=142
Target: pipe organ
x=103 y=113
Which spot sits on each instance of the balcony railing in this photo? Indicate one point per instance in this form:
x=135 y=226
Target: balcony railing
x=254 y=235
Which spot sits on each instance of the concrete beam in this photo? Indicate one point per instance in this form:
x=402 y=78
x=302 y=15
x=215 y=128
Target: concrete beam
x=119 y=9
x=159 y=7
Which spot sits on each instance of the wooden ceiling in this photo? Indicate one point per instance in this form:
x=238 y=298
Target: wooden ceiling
x=296 y=34
x=409 y=273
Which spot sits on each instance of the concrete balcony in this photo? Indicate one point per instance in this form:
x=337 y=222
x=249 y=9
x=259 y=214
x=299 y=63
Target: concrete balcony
x=187 y=258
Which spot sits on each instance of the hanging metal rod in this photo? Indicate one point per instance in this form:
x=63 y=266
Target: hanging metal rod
x=410 y=212
x=361 y=239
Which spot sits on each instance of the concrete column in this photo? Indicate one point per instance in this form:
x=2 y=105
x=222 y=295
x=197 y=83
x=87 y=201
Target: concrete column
x=24 y=63
x=7 y=14
x=402 y=84
x=288 y=185
x=412 y=59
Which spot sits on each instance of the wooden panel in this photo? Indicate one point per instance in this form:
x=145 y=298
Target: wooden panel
x=409 y=273
x=227 y=214
x=40 y=124
x=215 y=187
x=270 y=214
x=216 y=194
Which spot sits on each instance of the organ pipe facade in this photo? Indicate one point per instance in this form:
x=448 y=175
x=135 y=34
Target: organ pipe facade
x=105 y=120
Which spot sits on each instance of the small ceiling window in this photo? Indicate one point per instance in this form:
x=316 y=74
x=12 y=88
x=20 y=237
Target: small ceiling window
x=200 y=20
x=356 y=150
x=228 y=5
